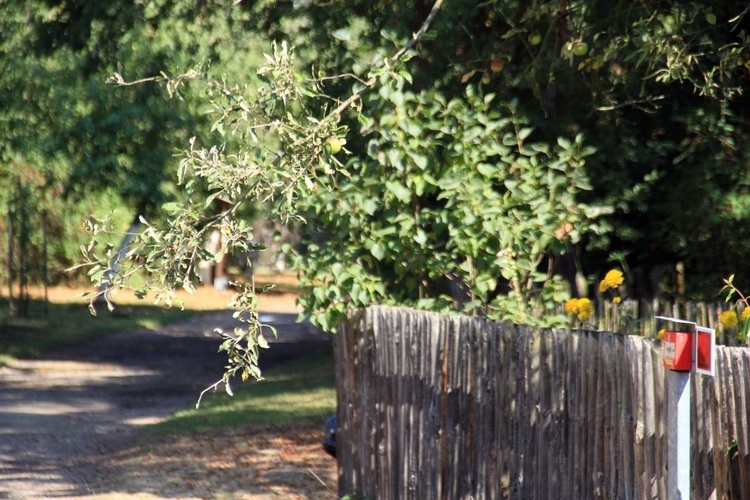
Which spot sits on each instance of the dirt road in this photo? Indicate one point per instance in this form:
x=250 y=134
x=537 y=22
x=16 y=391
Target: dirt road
x=63 y=416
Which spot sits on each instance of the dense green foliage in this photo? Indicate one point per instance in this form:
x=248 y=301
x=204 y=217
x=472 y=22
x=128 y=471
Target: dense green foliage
x=450 y=201
x=655 y=88
x=77 y=146
x=502 y=160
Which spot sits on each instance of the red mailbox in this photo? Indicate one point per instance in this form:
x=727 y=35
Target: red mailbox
x=689 y=350
x=704 y=350
x=677 y=352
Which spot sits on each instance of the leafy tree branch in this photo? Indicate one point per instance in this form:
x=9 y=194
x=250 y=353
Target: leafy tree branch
x=282 y=151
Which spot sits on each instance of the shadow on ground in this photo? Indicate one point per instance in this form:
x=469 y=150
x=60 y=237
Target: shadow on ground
x=64 y=414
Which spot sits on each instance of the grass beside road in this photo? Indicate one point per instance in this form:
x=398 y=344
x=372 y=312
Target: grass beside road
x=264 y=442
x=300 y=390
x=61 y=324
x=67 y=319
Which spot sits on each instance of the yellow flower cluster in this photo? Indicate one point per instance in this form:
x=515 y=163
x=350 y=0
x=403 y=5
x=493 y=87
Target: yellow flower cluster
x=583 y=308
x=728 y=319
x=613 y=279
x=745 y=313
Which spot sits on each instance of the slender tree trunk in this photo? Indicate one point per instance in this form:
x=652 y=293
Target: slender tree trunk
x=23 y=250
x=12 y=305
x=220 y=279
x=44 y=262
x=114 y=264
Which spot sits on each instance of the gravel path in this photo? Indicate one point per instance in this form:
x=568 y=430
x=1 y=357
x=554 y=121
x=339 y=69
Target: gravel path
x=62 y=415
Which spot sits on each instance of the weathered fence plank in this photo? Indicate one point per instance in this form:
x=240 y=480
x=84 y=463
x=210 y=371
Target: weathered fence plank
x=434 y=406
x=740 y=371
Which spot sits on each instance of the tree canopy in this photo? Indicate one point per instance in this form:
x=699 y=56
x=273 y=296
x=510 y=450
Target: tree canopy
x=495 y=156
x=82 y=146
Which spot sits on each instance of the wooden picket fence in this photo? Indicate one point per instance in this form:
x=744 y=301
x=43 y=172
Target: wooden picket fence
x=437 y=406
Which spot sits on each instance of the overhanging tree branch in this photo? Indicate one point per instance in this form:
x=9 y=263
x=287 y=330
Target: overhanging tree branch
x=286 y=158
x=416 y=37
x=117 y=78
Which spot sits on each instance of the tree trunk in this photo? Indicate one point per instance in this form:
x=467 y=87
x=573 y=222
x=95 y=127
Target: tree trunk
x=12 y=304
x=114 y=265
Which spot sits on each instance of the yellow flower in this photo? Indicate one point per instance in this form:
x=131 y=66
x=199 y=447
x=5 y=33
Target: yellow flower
x=585 y=309
x=579 y=307
x=571 y=306
x=660 y=335
x=728 y=319
x=617 y=300
x=613 y=279
x=745 y=313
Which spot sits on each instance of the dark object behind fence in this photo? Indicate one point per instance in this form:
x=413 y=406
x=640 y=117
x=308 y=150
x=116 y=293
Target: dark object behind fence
x=435 y=406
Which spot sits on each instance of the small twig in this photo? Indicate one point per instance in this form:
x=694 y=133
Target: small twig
x=119 y=80
x=738 y=19
x=737 y=291
x=338 y=77
x=319 y=480
x=632 y=102
x=210 y=387
x=416 y=37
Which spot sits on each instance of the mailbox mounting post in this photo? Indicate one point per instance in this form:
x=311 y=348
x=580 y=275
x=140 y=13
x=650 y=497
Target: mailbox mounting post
x=678 y=435
x=684 y=352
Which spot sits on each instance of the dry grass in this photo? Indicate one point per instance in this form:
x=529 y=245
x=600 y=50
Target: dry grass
x=238 y=463
x=205 y=298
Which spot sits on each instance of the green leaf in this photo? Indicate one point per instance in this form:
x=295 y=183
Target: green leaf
x=406 y=76
x=385 y=231
x=262 y=342
x=378 y=251
x=524 y=133
x=364 y=121
x=342 y=34
x=171 y=207
x=399 y=191
x=487 y=169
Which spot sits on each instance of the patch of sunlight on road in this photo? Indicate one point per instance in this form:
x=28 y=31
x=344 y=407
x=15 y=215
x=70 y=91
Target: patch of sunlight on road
x=37 y=408
x=141 y=421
